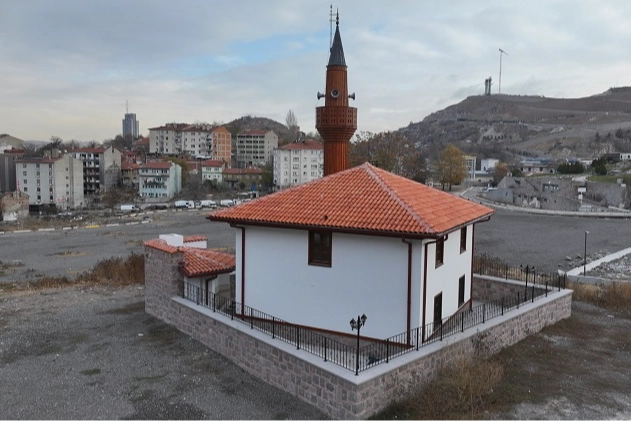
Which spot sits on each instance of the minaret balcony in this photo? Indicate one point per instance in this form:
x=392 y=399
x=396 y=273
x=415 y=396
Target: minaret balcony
x=336 y=117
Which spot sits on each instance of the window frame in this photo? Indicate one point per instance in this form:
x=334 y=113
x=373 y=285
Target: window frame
x=440 y=252
x=319 y=254
x=463 y=239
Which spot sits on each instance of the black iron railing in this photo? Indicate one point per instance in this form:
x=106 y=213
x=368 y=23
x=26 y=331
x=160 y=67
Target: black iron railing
x=374 y=353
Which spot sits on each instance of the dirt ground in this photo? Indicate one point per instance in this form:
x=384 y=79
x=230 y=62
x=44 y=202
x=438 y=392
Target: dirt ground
x=93 y=353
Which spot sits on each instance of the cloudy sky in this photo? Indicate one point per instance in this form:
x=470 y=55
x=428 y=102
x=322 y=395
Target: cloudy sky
x=68 y=66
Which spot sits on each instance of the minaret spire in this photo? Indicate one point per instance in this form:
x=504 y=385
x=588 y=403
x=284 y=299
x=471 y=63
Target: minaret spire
x=336 y=121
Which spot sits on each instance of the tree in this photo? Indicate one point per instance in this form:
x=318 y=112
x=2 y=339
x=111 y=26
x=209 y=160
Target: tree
x=501 y=171
x=390 y=152
x=267 y=178
x=182 y=163
x=451 y=166
x=292 y=124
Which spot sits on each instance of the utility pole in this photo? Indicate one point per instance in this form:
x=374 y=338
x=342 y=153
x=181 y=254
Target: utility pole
x=499 y=90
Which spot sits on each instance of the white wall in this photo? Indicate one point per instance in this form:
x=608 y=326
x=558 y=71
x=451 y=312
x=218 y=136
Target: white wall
x=368 y=275
x=445 y=278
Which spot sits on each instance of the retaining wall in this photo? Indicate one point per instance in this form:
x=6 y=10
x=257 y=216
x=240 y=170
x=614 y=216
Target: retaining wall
x=334 y=390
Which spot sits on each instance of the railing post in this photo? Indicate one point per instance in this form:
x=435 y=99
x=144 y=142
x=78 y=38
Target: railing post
x=533 y=293
x=441 y=330
x=251 y=318
x=325 y=349
x=274 y=328
x=232 y=309
x=502 y=306
x=297 y=337
x=546 y=288
x=484 y=313
x=518 y=299
x=387 y=350
x=214 y=302
x=462 y=320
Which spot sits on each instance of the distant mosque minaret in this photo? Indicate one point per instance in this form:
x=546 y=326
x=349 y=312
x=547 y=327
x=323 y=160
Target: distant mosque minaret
x=336 y=121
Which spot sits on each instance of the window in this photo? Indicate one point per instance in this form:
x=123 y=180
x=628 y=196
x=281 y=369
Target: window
x=25 y=180
x=24 y=173
x=320 y=248
x=461 y=291
x=25 y=189
x=440 y=251
x=463 y=239
x=438 y=311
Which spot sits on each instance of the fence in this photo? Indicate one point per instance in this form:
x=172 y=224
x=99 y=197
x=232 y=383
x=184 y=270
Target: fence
x=488 y=265
x=361 y=358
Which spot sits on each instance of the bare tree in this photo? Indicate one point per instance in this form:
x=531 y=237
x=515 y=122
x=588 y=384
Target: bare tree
x=292 y=124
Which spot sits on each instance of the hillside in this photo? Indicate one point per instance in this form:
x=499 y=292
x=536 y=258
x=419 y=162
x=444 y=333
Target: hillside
x=258 y=123
x=530 y=125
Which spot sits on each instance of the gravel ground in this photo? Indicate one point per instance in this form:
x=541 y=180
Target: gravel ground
x=93 y=353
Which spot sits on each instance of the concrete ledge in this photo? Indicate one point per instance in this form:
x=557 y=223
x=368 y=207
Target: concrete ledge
x=46 y=229
x=92 y=226
x=21 y=231
x=112 y=225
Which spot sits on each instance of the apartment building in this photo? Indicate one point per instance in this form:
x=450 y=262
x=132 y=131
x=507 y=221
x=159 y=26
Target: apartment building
x=181 y=139
x=221 y=146
x=256 y=147
x=247 y=178
x=101 y=169
x=7 y=168
x=298 y=163
x=53 y=181
x=159 y=181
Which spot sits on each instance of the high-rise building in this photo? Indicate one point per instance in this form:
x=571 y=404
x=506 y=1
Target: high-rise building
x=130 y=126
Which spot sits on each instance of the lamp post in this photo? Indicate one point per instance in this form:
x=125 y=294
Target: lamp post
x=357 y=324
x=585 y=255
x=528 y=270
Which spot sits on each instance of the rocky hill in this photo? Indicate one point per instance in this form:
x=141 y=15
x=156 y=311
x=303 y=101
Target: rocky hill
x=258 y=123
x=513 y=125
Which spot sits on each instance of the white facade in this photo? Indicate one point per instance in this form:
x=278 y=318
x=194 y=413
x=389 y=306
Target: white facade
x=295 y=165
x=488 y=164
x=56 y=181
x=181 y=138
x=158 y=181
x=256 y=147
x=212 y=171
x=368 y=275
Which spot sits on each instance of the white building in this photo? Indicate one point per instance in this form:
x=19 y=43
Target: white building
x=51 y=181
x=298 y=163
x=256 y=147
x=159 y=181
x=181 y=138
x=488 y=164
x=212 y=170
x=358 y=241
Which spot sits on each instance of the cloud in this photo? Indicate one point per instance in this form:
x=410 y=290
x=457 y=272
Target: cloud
x=69 y=65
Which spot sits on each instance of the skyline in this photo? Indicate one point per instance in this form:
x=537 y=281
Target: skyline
x=71 y=65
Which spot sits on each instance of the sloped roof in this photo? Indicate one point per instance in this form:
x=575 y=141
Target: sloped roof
x=125 y=166
x=197 y=262
x=158 y=165
x=361 y=199
x=212 y=163
x=307 y=144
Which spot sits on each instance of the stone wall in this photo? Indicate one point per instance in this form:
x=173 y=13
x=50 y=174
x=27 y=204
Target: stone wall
x=334 y=390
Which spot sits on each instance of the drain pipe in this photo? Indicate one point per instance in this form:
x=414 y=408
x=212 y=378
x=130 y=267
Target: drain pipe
x=409 y=306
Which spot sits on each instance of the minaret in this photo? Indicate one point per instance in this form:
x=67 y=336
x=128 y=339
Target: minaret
x=336 y=121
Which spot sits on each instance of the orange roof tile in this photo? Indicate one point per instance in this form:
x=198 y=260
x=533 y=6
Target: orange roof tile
x=362 y=199
x=212 y=163
x=307 y=144
x=125 y=165
x=156 y=165
x=197 y=262
x=194 y=238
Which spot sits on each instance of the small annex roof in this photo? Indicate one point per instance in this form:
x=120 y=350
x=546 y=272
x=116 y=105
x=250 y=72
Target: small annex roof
x=363 y=199
x=196 y=261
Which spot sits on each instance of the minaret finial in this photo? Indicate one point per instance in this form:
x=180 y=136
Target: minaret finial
x=337 y=19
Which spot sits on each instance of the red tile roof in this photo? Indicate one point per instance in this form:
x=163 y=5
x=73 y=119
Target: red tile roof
x=194 y=238
x=212 y=163
x=88 y=150
x=126 y=166
x=361 y=199
x=197 y=262
x=307 y=144
x=158 y=165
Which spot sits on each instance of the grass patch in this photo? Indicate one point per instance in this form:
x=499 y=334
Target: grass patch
x=457 y=392
x=115 y=271
x=612 y=296
x=91 y=372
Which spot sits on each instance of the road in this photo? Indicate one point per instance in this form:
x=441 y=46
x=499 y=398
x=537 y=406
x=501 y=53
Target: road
x=515 y=237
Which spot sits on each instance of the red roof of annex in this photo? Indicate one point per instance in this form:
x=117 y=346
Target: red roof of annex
x=361 y=199
x=307 y=144
x=197 y=262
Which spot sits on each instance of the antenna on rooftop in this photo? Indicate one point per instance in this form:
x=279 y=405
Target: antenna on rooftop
x=126 y=107
x=331 y=27
x=499 y=90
